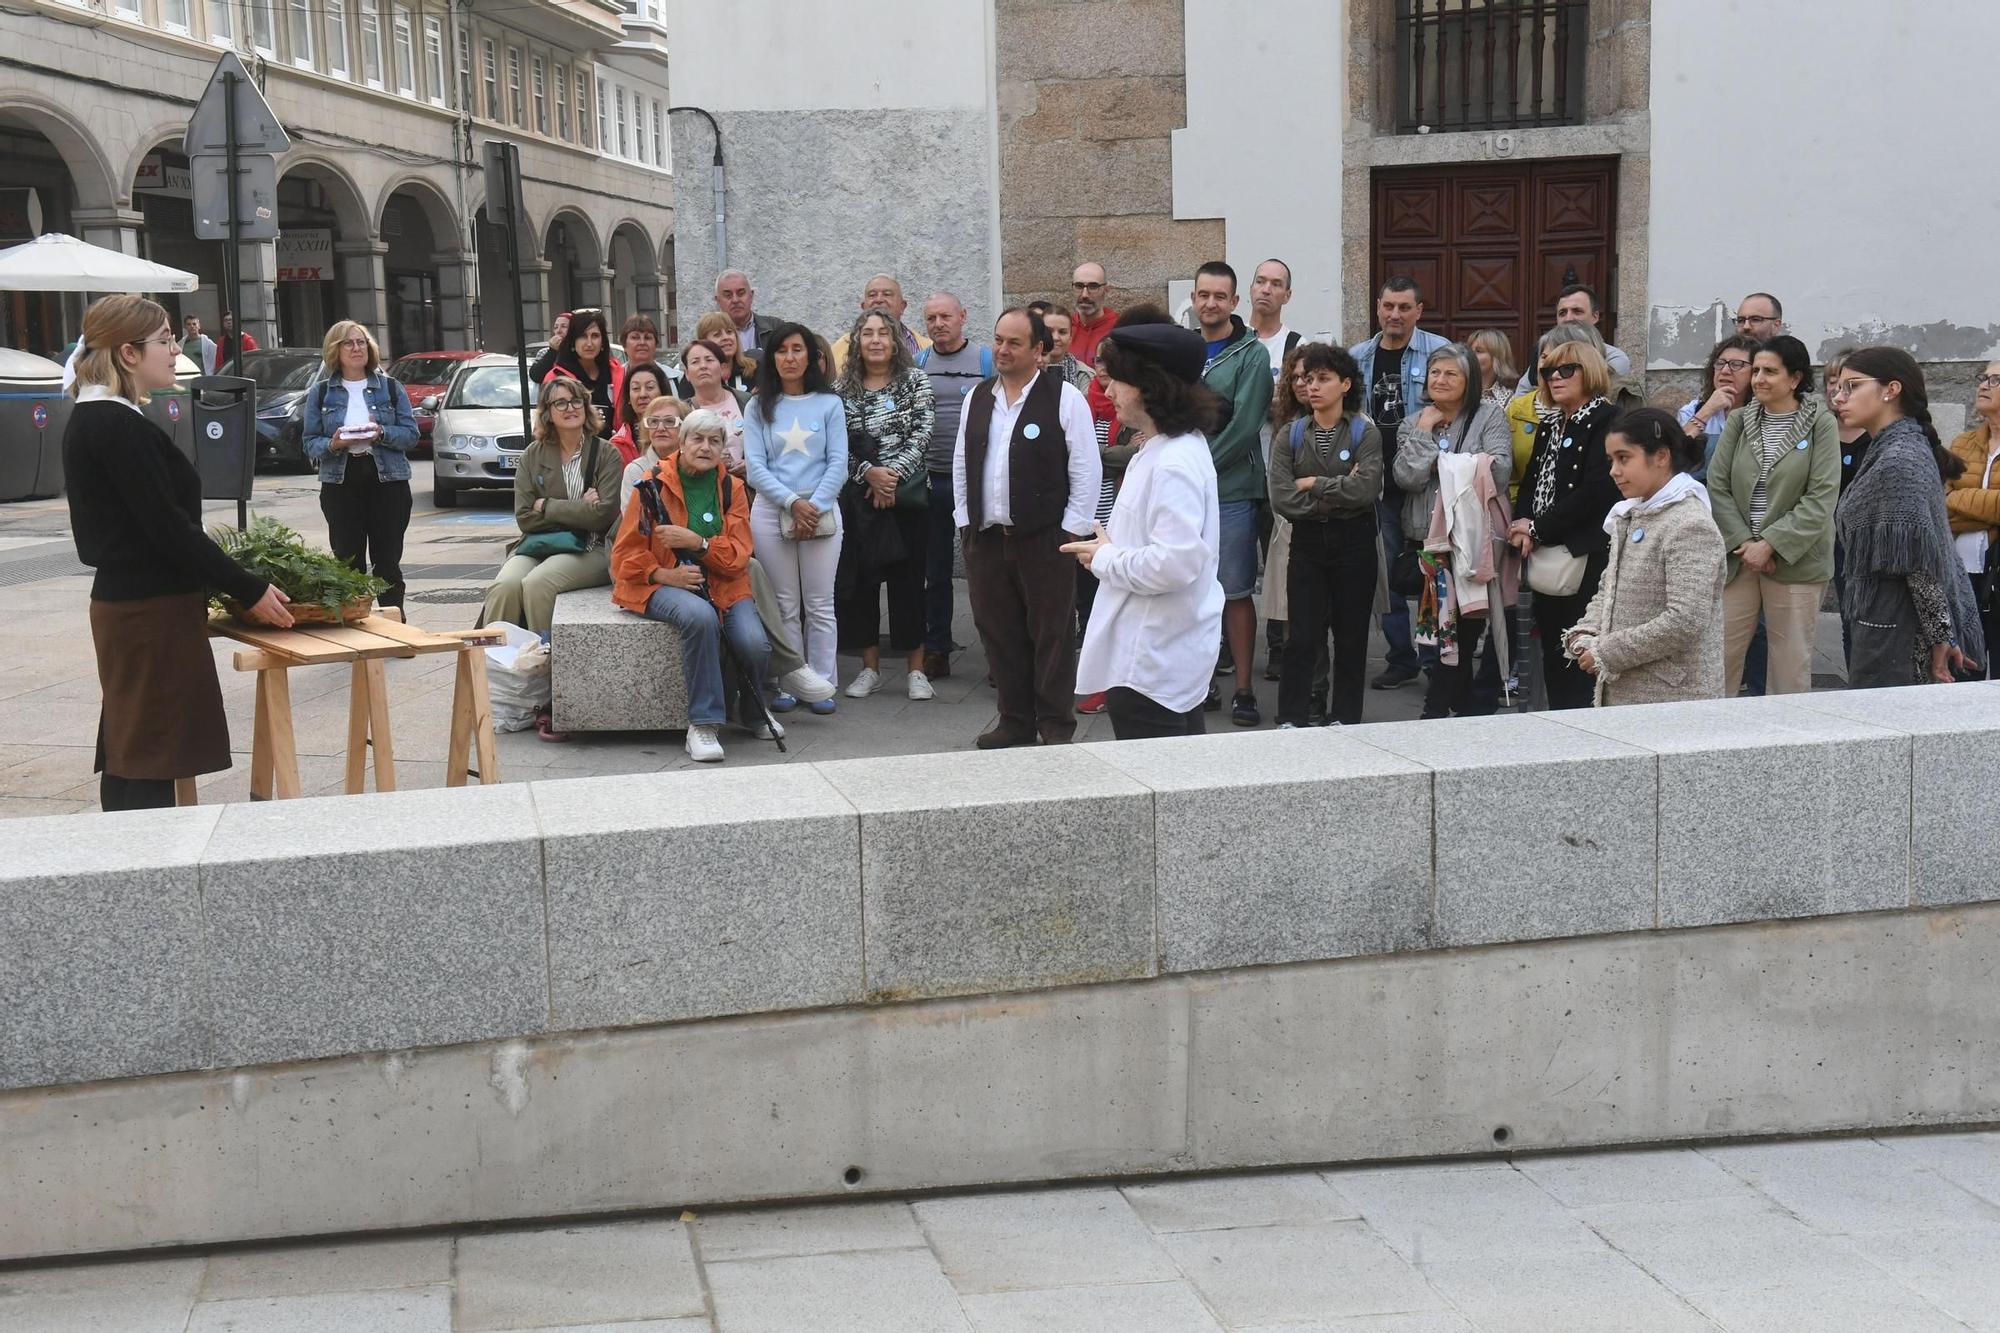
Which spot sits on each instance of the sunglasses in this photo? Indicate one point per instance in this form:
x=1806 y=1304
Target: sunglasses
x=1566 y=370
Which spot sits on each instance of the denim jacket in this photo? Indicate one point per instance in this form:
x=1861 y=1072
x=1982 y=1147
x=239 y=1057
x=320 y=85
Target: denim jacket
x=388 y=407
x=1416 y=366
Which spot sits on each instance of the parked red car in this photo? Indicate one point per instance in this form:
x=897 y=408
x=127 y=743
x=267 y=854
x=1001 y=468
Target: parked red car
x=424 y=376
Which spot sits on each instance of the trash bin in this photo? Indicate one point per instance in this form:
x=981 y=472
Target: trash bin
x=33 y=412
x=224 y=428
x=173 y=409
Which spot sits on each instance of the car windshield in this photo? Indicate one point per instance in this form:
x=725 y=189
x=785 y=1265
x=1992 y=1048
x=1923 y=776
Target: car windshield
x=490 y=386
x=282 y=370
x=424 y=369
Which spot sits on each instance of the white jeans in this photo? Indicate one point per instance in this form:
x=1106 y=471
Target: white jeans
x=801 y=575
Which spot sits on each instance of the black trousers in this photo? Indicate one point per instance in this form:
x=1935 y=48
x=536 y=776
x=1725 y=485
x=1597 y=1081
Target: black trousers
x=858 y=616
x=366 y=521
x=1023 y=594
x=1139 y=717
x=1567 y=684
x=116 y=793
x=1331 y=586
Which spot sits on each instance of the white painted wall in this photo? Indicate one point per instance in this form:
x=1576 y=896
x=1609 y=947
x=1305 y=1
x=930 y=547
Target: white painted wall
x=1266 y=95
x=828 y=55
x=1853 y=145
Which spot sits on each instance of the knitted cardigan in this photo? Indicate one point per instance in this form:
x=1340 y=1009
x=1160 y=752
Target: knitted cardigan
x=1657 y=613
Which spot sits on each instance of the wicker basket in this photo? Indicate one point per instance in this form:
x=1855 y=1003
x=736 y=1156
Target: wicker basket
x=312 y=613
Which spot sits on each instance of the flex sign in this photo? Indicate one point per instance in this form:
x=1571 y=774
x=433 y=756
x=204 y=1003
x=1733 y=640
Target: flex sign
x=305 y=255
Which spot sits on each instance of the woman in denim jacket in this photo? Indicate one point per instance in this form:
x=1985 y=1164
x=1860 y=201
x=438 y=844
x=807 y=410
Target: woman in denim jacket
x=360 y=431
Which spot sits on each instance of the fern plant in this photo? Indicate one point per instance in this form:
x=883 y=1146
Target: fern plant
x=276 y=554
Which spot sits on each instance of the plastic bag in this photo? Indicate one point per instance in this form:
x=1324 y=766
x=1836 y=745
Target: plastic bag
x=517 y=677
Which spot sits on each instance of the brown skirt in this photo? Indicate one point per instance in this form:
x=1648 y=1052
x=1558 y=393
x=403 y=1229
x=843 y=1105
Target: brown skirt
x=162 y=713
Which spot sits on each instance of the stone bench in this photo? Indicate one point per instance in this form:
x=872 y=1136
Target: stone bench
x=611 y=670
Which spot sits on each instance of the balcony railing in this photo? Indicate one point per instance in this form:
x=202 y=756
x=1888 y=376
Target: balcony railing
x=1489 y=64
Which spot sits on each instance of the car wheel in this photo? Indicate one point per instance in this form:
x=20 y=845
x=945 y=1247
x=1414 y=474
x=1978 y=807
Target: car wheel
x=443 y=496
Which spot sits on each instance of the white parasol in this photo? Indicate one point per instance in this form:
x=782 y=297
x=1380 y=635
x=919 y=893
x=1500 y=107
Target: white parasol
x=58 y=263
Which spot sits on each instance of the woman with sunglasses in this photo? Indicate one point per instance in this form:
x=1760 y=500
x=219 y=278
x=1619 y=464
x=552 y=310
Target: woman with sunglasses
x=360 y=430
x=1910 y=608
x=1564 y=497
x=1972 y=499
x=1725 y=386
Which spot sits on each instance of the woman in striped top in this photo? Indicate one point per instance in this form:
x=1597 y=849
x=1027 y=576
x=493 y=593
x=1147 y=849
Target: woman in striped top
x=1773 y=484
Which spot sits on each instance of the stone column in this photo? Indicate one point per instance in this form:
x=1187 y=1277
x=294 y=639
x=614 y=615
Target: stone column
x=113 y=228
x=258 y=305
x=647 y=299
x=535 y=310
x=363 y=284
x=593 y=288
x=454 y=306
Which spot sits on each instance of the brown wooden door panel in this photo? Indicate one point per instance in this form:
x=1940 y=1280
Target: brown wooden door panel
x=1492 y=243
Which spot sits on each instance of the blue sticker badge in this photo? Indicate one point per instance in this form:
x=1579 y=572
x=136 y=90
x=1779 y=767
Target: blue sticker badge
x=1847 y=460
x=1638 y=535
x=1802 y=444
x=1568 y=443
x=1033 y=432
x=708 y=518
x=1345 y=455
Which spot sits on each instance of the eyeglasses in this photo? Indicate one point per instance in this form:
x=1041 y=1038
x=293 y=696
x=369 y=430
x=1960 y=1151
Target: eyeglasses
x=663 y=423
x=166 y=339
x=1567 y=369
x=1987 y=381
x=1732 y=364
x=1742 y=320
x=566 y=405
x=354 y=342
x=1849 y=386
x=1088 y=286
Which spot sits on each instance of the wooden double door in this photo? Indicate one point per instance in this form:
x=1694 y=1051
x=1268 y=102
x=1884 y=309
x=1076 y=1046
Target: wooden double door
x=1492 y=244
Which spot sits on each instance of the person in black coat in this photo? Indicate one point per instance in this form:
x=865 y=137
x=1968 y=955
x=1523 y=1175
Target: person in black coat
x=135 y=513
x=1565 y=494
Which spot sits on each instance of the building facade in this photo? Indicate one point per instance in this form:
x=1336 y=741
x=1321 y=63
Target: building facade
x=1674 y=156
x=381 y=198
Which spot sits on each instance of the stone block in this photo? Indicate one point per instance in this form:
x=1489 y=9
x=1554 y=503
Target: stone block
x=1235 y=820
x=525 y=1279
x=1000 y=870
x=1143 y=254
x=610 y=670
x=1098 y=108
x=1542 y=830
x=374 y=923
x=872 y=1291
x=681 y=895
x=1769 y=809
x=1291 y=1274
x=1118 y=38
x=1954 y=735
x=1043 y=1238
x=1144 y=1307
x=1124 y=175
x=101 y=955
x=1039 y=253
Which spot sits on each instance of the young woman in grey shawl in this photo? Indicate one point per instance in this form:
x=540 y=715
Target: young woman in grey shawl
x=1908 y=603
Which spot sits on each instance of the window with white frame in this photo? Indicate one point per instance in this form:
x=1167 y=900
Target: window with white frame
x=299 y=28
x=371 y=41
x=434 y=58
x=128 y=9
x=174 y=15
x=603 y=116
x=659 y=134
x=222 y=22
x=490 y=71
x=403 y=45
x=336 y=38
x=562 y=102
x=514 y=105
x=583 y=108
x=264 y=27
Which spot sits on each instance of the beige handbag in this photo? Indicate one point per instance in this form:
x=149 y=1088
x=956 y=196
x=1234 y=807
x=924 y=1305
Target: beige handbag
x=1555 y=571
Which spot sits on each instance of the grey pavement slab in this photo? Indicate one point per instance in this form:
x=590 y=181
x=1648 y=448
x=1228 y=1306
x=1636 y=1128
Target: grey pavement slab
x=1602 y=1292
x=1955 y=1268
x=1850 y=1185
x=302 y=1271
x=1970 y=1161
x=133 y=1296
x=767 y=1233
x=1047 y=1238
x=1541 y=830
x=101 y=955
x=681 y=895
x=1768 y=809
x=405 y=1310
x=1149 y=1307
x=1722 y=1244
x=1286 y=1274
x=697 y=1325
x=1462 y=1216
x=1235 y=817
x=1861 y=1303
x=1217 y=1203
x=417 y=920
x=621 y=1271
x=876 y=1291
x=1441 y=1322
x=1584 y=1180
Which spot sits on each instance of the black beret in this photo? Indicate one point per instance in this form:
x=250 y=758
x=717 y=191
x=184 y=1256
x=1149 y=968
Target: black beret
x=1180 y=352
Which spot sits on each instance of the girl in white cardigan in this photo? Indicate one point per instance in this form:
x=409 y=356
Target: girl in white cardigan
x=1150 y=644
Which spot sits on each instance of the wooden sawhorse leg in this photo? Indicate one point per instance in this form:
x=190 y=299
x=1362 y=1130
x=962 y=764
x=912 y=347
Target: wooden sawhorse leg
x=274 y=754
x=368 y=727
x=471 y=722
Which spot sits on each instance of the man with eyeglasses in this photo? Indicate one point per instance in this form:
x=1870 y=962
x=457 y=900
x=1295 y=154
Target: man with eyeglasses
x=1089 y=284
x=1760 y=316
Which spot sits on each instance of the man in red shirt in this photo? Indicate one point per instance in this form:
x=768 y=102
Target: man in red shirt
x=224 y=353
x=1092 y=321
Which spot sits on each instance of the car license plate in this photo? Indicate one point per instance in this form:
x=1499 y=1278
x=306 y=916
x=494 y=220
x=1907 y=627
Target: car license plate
x=508 y=462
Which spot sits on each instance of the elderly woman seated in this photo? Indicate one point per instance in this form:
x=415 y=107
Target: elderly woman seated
x=683 y=557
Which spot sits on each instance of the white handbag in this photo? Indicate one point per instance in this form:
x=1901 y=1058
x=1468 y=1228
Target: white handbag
x=1555 y=571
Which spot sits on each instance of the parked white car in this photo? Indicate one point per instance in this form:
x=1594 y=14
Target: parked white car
x=477 y=440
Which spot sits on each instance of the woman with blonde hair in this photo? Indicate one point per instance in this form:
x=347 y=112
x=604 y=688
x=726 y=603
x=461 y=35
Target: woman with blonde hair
x=360 y=430
x=739 y=368
x=135 y=514
x=1495 y=351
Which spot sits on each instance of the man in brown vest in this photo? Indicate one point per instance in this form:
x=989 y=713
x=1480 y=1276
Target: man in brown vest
x=1025 y=475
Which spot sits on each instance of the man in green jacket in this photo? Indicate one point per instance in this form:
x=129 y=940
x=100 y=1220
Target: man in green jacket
x=1239 y=369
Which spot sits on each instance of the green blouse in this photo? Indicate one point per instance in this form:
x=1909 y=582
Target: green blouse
x=704 y=502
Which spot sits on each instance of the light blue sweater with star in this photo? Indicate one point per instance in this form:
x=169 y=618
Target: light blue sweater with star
x=800 y=453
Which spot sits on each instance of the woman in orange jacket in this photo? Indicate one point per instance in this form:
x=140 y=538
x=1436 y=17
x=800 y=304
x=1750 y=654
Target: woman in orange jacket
x=1972 y=503
x=683 y=557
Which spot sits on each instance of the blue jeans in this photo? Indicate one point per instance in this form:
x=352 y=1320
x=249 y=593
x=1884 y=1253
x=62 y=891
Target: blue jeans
x=1396 y=620
x=1756 y=661
x=701 y=648
x=937 y=566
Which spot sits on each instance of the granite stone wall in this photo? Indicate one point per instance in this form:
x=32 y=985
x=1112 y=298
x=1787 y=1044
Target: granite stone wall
x=819 y=201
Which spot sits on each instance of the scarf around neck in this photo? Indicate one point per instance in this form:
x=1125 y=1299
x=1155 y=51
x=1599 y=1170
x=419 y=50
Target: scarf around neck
x=1891 y=523
x=1679 y=487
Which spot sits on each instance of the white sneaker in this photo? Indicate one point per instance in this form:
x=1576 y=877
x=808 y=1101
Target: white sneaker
x=806 y=684
x=773 y=730
x=702 y=747
x=864 y=684
x=920 y=686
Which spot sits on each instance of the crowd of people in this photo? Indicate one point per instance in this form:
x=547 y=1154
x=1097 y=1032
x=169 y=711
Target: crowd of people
x=1124 y=489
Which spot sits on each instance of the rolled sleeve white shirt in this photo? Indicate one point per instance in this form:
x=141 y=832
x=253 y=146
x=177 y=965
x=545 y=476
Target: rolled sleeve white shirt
x=1086 y=468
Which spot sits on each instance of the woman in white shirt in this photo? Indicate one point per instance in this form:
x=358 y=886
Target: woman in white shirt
x=359 y=431
x=1150 y=645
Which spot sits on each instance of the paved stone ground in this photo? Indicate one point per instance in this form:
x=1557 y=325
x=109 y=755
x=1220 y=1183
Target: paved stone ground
x=49 y=692
x=1892 y=1235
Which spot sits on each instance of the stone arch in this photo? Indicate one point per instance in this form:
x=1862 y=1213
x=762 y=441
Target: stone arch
x=355 y=220
x=165 y=135
x=446 y=228
x=635 y=273
x=89 y=168
x=426 y=283
x=576 y=261
x=339 y=274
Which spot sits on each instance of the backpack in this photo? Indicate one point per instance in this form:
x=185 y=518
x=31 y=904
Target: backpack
x=985 y=360
x=1356 y=424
